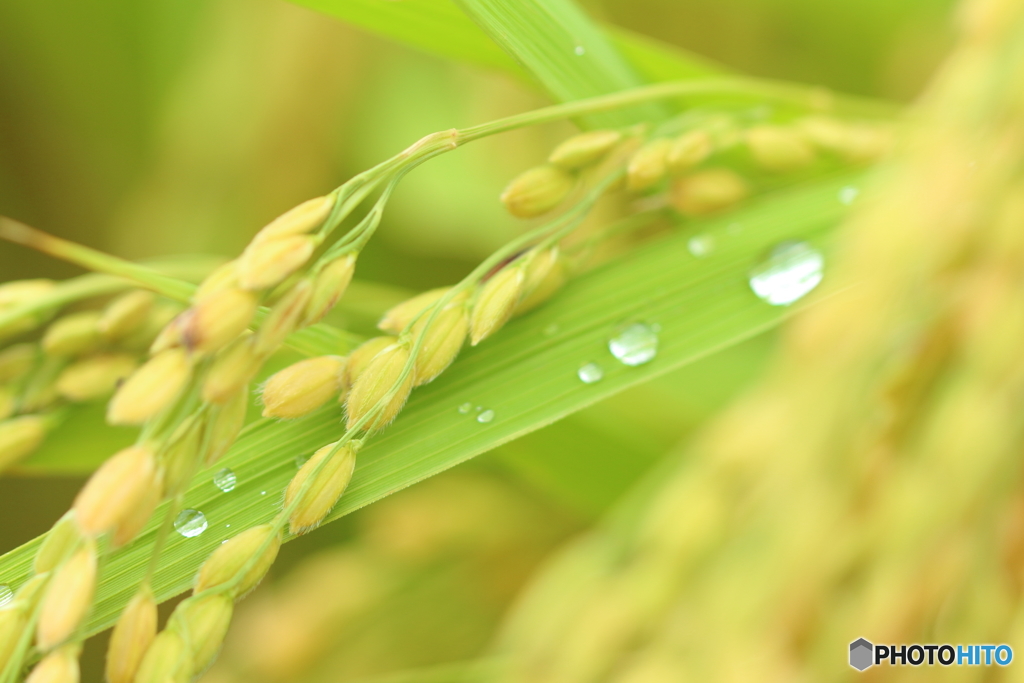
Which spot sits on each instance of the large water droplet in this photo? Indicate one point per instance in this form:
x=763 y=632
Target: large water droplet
x=635 y=345
x=225 y=479
x=190 y=523
x=791 y=271
x=848 y=194
x=701 y=245
x=485 y=416
x=466 y=408
x=6 y=594
x=590 y=373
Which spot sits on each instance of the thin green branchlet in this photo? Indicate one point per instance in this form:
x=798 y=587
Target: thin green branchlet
x=349 y=195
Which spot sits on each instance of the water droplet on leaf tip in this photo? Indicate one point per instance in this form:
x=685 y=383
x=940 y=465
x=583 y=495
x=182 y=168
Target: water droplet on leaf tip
x=790 y=272
x=590 y=373
x=485 y=416
x=225 y=480
x=190 y=523
x=635 y=345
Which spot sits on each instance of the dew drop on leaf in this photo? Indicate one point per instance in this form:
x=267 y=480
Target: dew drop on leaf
x=848 y=194
x=590 y=373
x=791 y=270
x=190 y=523
x=701 y=245
x=225 y=479
x=635 y=345
x=485 y=416
x=466 y=408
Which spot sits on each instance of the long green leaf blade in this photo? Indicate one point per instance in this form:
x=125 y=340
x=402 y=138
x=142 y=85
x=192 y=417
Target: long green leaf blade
x=564 y=50
x=526 y=374
x=438 y=27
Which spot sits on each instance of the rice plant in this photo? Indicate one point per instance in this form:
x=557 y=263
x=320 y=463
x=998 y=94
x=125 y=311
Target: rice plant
x=856 y=484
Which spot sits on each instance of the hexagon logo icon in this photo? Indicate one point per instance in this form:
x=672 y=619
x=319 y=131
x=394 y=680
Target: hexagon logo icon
x=861 y=652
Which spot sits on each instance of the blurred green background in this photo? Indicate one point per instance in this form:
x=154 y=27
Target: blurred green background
x=158 y=127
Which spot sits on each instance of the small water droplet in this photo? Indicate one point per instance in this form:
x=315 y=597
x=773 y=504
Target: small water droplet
x=190 y=523
x=701 y=245
x=791 y=271
x=466 y=408
x=227 y=526
x=590 y=373
x=263 y=493
x=551 y=330
x=848 y=195
x=300 y=460
x=225 y=479
x=580 y=50
x=635 y=345
x=485 y=416
x=6 y=594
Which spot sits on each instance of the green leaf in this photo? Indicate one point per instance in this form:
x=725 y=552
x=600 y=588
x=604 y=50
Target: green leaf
x=526 y=374
x=439 y=27
x=564 y=50
x=590 y=459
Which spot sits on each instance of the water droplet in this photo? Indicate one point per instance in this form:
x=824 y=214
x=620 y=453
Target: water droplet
x=227 y=526
x=485 y=416
x=580 y=50
x=466 y=408
x=225 y=480
x=6 y=594
x=300 y=460
x=190 y=523
x=263 y=493
x=701 y=245
x=635 y=345
x=551 y=330
x=791 y=271
x=590 y=373
x=848 y=194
